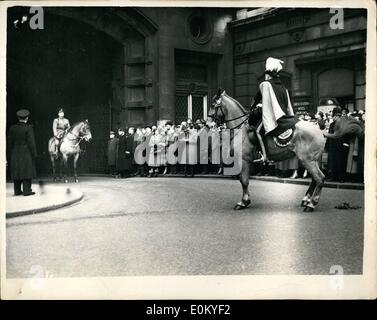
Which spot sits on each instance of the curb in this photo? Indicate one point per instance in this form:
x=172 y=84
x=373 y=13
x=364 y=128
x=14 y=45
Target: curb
x=334 y=185
x=44 y=209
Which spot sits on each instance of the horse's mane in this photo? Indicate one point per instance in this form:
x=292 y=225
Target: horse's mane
x=347 y=126
x=74 y=125
x=236 y=102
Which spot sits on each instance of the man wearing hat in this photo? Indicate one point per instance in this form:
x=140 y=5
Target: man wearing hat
x=277 y=111
x=337 y=151
x=60 y=126
x=112 y=153
x=23 y=153
x=122 y=158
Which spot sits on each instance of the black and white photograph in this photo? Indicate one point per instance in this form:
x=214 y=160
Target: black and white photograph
x=223 y=151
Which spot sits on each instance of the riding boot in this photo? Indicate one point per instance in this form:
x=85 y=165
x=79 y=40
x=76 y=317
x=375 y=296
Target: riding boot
x=262 y=153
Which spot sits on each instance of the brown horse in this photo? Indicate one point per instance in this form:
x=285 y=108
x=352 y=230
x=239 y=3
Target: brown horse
x=308 y=144
x=69 y=147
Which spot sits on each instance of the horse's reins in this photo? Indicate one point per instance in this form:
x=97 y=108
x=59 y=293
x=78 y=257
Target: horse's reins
x=76 y=137
x=219 y=105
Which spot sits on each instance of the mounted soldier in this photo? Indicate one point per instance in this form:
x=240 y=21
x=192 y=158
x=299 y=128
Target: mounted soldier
x=275 y=105
x=60 y=127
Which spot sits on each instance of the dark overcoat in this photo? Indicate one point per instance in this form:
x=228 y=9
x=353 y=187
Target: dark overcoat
x=125 y=159
x=337 y=154
x=112 y=151
x=23 y=151
x=121 y=162
x=130 y=147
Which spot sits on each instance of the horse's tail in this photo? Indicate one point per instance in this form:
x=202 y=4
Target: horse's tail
x=346 y=126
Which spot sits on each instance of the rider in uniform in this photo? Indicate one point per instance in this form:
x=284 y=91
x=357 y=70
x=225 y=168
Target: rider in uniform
x=59 y=128
x=275 y=102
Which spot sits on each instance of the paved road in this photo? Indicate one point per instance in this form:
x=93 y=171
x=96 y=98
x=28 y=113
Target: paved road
x=186 y=226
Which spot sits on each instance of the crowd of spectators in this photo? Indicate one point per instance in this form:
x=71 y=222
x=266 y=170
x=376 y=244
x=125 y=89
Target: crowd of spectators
x=342 y=160
x=123 y=159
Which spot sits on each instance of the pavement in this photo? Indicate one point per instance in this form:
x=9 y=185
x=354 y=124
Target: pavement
x=53 y=196
x=47 y=197
x=328 y=184
x=187 y=226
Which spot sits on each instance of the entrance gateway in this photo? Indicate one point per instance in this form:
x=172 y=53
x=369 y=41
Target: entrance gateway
x=96 y=63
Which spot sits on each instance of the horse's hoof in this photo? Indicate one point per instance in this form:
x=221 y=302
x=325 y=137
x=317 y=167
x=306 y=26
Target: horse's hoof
x=309 y=207
x=238 y=207
x=304 y=203
x=246 y=203
x=242 y=205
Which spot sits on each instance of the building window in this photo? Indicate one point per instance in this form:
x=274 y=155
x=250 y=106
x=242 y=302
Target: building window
x=197 y=27
x=337 y=83
x=190 y=107
x=191 y=72
x=200 y=27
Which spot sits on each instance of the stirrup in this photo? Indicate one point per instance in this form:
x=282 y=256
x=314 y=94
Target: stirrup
x=261 y=158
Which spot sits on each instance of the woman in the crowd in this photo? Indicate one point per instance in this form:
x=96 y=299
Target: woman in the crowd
x=212 y=130
x=320 y=121
x=203 y=159
x=181 y=142
x=191 y=137
x=157 y=151
x=171 y=149
x=139 y=138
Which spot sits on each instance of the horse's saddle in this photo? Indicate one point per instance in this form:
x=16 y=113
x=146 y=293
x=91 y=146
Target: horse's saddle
x=278 y=142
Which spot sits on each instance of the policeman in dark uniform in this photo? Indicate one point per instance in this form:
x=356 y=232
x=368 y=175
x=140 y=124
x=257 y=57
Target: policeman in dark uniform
x=23 y=153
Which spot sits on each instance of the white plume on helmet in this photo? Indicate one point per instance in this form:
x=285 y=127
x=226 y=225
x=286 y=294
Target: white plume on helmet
x=273 y=64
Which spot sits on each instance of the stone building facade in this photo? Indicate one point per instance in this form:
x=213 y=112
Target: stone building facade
x=115 y=67
x=319 y=62
x=134 y=66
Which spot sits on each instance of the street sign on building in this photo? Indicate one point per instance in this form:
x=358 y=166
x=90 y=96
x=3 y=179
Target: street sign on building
x=301 y=107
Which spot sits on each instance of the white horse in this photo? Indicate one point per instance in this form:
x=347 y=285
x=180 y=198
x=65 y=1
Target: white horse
x=69 y=147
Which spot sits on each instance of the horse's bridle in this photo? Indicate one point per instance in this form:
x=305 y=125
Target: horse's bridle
x=77 y=136
x=218 y=105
